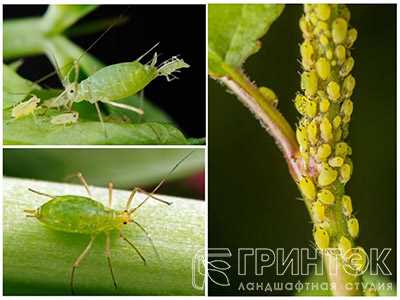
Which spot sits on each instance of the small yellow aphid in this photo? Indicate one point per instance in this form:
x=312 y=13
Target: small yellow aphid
x=326 y=129
x=313 y=19
x=347 y=67
x=351 y=37
x=324 y=151
x=321 y=28
x=308 y=8
x=307 y=188
x=307 y=53
x=321 y=238
x=347 y=107
x=323 y=40
x=323 y=11
x=325 y=196
x=339 y=30
x=305 y=106
x=353 y=227
x=329 y=54
x=324 y=105
x=345 y=247
x=336 y=122
x=305 y=27
x=323 y=68
x=340 y=52
x=269 y=95
x=349 y=150
x=312 y=131
x=348 y=86
x=344 y=12
x=327 y=175
x=25 y=108
x=338 y=135
x=341 y=149
x=333 y=90
x=345 y=173
x=301 y=135
x=336 y=162
x=318 y=211
x=309 y=83
x=347 y=205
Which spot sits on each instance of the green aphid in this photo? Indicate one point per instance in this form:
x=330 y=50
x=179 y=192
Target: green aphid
x=84 y=215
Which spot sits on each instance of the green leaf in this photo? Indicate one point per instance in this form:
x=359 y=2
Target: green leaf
x=22 y=37
x=59 y=17
x=39 y=131
x=15 y=88
x=37 y=260
x=234 y=31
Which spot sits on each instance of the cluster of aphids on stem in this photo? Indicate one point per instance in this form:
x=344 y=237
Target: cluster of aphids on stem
x=326 y=107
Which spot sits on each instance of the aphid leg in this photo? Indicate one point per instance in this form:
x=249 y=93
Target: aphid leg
x=78 y=261
x=149 y=238
x=149 y=195
x=108 y=255
x=40 y=193
x=110 y=188
x=101 y=118
x=124 y=106
x=133 y=246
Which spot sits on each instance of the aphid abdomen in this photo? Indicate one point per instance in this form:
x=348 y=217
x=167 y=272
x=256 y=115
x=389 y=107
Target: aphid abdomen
x=76 y=214
x=115 y=82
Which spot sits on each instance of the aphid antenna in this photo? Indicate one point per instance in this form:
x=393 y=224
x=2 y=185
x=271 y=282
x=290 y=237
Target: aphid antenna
x=148 y=51
x=40 y=193
x=132 y=210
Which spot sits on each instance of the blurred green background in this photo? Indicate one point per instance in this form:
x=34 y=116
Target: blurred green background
x=126 y=168
x=252 y=198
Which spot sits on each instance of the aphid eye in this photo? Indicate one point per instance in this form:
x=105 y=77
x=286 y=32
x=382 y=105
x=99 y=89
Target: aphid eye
x=125 y=223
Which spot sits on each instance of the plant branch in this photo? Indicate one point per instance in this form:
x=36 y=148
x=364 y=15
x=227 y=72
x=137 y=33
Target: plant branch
x=268 y=115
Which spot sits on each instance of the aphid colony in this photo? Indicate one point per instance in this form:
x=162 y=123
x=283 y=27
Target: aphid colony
x=326 y=108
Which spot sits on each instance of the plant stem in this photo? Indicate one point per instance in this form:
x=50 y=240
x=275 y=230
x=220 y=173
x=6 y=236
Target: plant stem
x=268 y=115
x=38 y=260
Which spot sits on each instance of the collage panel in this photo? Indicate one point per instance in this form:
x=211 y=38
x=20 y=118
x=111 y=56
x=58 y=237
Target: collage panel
x=304 y=201
x=103 y=221
x=104 y=74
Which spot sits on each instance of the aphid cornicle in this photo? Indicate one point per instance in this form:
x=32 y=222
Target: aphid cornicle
x=84 y=215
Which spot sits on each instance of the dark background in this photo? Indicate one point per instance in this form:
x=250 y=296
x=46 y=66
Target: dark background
x=180 y=29
x=252 y=198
